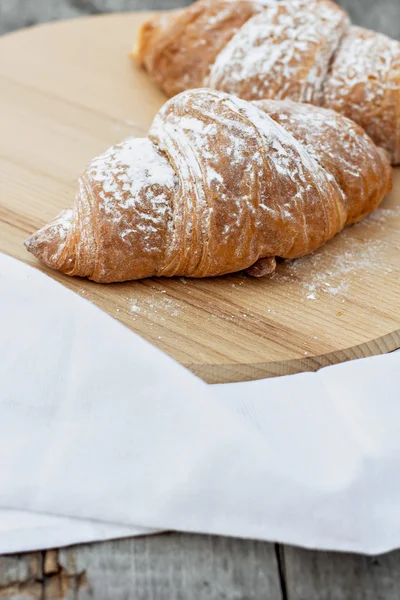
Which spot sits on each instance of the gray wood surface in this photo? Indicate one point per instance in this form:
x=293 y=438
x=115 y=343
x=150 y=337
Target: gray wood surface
x=21 y=577
x=195 y=567
x=381 y=15
x=311 y=575
x=188 y=567
x=163 y=567
x=336 y=576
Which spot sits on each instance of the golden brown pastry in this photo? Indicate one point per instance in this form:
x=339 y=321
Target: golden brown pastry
x=363 y=83
x=219 y=185
x=304 y=50
x=178 y=47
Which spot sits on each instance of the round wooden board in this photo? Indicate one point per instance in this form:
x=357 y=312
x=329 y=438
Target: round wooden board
x=68 y=91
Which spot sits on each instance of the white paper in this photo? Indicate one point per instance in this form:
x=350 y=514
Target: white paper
x=102 y=435
x=26 y=531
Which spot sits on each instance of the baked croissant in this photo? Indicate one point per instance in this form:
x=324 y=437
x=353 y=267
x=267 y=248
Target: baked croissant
x=303 y=50
x=220 y=185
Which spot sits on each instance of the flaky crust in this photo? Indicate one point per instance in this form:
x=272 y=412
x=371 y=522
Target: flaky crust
x=221 y=184
x=304 y=50
x=341 y=147
x=169 y=46
x=283 y=52
x=364 y=84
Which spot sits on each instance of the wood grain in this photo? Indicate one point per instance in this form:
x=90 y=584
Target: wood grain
x=314 y=575
x=21 y=577
x=68 y=91
x=176 y=567
x=160 y=567
x=181 y=566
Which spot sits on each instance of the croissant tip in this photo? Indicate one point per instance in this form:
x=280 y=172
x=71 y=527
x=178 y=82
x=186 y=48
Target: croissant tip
x=33 y=242
x=28 y=243
x=48 y=243
x=147 y=31
x=134 y=54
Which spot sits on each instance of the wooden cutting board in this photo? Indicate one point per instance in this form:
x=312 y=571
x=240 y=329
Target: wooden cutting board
x=68 y=91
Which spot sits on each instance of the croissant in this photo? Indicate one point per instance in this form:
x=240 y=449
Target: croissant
x=303 y=50
x=220 y=185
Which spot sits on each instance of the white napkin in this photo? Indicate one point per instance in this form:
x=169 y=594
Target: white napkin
x=102 y=435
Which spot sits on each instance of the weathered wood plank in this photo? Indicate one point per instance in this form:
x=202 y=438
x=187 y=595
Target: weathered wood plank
x=24 y=13
x=336 y=576
x=179 y=566
x=21 y=577
x=163 y=567
x=167 y=567
x=382 y=16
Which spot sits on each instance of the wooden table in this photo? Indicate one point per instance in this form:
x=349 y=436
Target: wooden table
x=196 y=567
x=382 y=16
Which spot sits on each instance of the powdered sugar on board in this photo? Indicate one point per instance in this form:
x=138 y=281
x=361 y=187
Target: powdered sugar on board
x=351 y=256
x=329 y=273
x=158 y=306
x=381 y=217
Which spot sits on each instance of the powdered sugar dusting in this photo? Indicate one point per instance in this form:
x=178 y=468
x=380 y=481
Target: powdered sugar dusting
x=58 y=230
x=279 y=178
x=363 y=84
x=374 y=54
x=333 y=269
x=128 y=168
x=284 y=51
x=135 y=186
x=305 y=50
x=280 y=144
x=346 y=153
x=156 y=307
x=381 y=216
x=199 y=33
